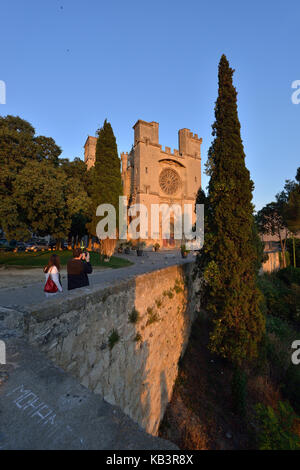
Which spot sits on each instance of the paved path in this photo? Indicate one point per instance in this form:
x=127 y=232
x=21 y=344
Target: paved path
x=32 y=293
x=42 y=407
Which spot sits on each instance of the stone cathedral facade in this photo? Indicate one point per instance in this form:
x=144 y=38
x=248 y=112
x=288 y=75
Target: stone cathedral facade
x=153 y=175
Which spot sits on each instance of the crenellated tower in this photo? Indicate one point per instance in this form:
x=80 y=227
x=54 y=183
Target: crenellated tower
x=153 y=175
x=90 y=151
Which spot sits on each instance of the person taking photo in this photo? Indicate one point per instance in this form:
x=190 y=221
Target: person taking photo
x=78 y=269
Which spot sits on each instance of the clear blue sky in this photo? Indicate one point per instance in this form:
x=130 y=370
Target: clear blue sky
x=70 y=64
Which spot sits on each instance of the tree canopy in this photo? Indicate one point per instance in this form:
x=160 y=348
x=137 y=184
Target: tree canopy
x=282 y=216
x=39 y=192
x=292 y=208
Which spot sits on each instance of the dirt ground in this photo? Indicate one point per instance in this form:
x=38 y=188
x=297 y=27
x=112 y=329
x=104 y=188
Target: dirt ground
x=19 y=277
x=200 y=415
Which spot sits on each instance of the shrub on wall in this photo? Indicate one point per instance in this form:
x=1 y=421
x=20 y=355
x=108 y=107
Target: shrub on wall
x=113 y=338
x=133 y=316
x=152 y=316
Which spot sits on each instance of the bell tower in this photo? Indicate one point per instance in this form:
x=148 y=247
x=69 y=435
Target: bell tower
x=90 y=151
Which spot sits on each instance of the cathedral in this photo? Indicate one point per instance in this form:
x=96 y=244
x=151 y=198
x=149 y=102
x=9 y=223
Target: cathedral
x=153 y=175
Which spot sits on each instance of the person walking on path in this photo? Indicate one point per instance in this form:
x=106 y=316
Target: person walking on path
x=53 y=283
x=78 y=269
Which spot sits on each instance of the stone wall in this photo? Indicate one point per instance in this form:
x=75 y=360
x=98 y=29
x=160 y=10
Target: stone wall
x=122 y=342
x=272 y=263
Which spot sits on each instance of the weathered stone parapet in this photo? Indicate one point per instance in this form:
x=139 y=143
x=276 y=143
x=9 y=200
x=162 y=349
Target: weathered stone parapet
x=12 y=322
x=43 y=408
x=122 y=342
x=272 y=263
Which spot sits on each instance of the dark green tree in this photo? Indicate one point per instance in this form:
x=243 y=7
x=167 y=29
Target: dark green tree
x=281 y=216
x=228 y=260
x=107 y=183
x=201 y=197
x=19 y=147
x=43 y=202
x=46 y=149
x=76 y=169
x=39 y=193
x=270 y=220
x=292 y=212
x=77 y=173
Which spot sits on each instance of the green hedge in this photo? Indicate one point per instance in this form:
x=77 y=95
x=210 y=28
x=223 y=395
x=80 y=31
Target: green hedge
x=289 y=275
x=281 y=291
x=276 y=427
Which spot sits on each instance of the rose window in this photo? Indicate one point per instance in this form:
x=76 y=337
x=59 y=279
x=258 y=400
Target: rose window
x=169 y=181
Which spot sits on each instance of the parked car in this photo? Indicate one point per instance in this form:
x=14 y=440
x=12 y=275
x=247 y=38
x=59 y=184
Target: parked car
x=5 y=245
x=52 y=244
x=37 y=246
x=42 y=245
x=20 y=246
x=30 y=246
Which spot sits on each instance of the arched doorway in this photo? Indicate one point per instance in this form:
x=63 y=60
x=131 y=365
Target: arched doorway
x=170 y=242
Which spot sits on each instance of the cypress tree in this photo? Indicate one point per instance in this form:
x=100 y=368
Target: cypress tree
x=228 y=260
x=107 y=183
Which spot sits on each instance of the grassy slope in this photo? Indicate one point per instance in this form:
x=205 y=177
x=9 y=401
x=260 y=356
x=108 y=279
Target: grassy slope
x=40 y=259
